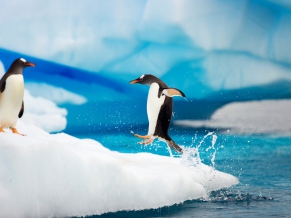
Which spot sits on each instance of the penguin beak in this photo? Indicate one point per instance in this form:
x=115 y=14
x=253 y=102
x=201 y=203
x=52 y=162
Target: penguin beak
x=135 y=81
x=30 y=64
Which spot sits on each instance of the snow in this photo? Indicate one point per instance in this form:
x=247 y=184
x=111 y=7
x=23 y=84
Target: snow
x=43 y=113
x=57 y=175
x=266 y=116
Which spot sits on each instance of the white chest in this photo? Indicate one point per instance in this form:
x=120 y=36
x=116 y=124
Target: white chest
x=153 y=107
x=11 y=100
x=14 y=87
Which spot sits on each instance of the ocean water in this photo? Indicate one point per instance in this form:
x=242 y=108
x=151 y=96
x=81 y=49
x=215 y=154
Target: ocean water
x=261 y=162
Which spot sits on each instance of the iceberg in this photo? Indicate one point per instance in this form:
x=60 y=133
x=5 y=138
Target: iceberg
x=252 y=117
x=58 y=175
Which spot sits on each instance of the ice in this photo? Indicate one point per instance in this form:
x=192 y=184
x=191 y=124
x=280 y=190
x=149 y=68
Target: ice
x=203 y=48
x=57 y=175
x=2 y=69
x=266 y=116
x=56 y=94
x=216 y=52
x=43 y=113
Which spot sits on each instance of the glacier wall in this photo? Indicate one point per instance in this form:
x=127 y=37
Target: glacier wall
x=215 y=51
x=217 y=45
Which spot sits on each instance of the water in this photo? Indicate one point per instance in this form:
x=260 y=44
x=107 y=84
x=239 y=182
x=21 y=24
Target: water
x=261 y=162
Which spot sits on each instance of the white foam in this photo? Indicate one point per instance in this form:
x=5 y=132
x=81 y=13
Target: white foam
x=57 y=175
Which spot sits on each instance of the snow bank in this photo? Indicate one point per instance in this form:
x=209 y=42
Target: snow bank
x=57 y=175
x=249 y=117
x=43 y=113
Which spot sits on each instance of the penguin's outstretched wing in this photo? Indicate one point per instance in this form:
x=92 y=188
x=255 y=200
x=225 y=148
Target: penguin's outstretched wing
x=21 y=110
x=171 y=92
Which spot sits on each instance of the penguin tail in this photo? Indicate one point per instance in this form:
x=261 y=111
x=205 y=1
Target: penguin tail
x=173 y=145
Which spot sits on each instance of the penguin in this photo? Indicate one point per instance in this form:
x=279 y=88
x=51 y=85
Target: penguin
x=159 y=110
x=11 y=95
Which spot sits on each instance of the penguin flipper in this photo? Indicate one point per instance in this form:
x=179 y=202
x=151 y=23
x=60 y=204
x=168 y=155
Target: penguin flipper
x=173 y=145
x=171 y=92
x=21 y=110
x=3 y=82
x=2 y=86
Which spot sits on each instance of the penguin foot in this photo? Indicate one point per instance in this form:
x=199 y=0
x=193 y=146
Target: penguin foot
x=14 y=130
x=1 y=130
x=142 y=136
x=146 y=142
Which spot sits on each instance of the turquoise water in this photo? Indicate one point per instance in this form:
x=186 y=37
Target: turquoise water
x=261 y=162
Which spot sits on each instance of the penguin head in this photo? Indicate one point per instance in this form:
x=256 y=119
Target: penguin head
x=19 y=64
x=145 y=79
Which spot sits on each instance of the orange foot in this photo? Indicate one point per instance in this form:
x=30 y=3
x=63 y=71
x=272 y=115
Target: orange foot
x=142 y=136
x=14 y=130
x=1 y=130
x=146 y=142
x=149 y=138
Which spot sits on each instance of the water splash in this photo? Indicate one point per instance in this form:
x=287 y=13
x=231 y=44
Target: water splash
x=191 y=155
x=213 y=159
x=226 y=195
x=170 y=151
x=214 y=138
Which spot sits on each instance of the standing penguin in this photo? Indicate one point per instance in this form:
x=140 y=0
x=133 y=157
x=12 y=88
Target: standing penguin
x=11 y=95
x=159 y=110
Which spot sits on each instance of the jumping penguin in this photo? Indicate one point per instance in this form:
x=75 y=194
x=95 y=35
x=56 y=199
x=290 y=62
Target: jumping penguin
x=159 y=110
x=11 y=95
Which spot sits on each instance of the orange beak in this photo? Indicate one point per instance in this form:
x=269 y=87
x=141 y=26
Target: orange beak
x=134 y=81
x=30 y=64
